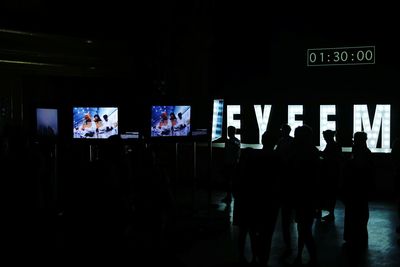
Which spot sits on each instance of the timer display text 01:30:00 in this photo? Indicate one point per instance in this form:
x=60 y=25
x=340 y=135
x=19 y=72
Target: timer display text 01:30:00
x=341 y=56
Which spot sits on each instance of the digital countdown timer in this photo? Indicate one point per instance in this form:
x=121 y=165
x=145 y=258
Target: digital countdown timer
x=357 y=55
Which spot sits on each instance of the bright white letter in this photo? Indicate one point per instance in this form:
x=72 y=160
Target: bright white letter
x=294 y=110
x=232 y=110
x=324 y=124
x=218 y=113
x=382 y=117
x=262 y=119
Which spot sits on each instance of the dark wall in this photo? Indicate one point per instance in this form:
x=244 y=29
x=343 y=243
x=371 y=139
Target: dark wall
x=167 y=51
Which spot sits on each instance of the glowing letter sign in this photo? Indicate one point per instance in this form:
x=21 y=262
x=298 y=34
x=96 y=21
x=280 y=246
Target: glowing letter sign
x=381 y=118
x=231 y=111
x=324 y=124
x=378 y=130
x=262 y=119
x=294 y=110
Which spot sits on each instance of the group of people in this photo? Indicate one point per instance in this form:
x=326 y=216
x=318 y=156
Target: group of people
x=96 y=128
x=172 y=126
x=290 y=174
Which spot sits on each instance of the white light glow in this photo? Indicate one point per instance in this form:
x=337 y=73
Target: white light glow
x=231 y=111
x=294 y=110
x=262 y=119
x=218 y=111
x=325 y=111
x=382 y=117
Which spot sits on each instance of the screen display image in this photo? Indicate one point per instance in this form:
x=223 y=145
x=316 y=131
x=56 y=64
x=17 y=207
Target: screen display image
x=47 y=123
x=170 y=121
x=95 y=122
x=218 y=112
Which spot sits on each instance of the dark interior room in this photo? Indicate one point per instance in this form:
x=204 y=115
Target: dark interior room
x=200 y=133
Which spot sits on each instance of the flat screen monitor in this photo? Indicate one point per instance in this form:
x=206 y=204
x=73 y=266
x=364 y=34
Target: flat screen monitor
x=218 y=111
x=170 y=121
x=47 y=122
x=95 y=122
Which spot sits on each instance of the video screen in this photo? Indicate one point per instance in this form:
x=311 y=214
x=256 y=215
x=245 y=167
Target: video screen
x=218 y=111
x=170 y=121
x=46 y=122
x=95 y=122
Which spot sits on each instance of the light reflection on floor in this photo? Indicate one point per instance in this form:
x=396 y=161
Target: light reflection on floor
x=382 y=250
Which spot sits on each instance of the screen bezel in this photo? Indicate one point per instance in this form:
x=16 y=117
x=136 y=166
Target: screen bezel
x=92 y=139
x=165 y=138
x=37 y=122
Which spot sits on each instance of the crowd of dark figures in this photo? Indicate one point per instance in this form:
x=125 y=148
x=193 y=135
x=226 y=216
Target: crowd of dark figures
x=121 y=202
x=290 y=175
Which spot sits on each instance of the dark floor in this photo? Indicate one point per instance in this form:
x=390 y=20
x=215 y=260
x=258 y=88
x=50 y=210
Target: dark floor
x=203 y=236
x=215 y=243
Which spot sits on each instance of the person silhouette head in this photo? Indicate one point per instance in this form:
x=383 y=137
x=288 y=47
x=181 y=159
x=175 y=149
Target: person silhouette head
x=329 y=136
x=303 y=135
x=360 y=139
x=268 y=140
x=285 y=130
x=231 y=131
x=360 y=150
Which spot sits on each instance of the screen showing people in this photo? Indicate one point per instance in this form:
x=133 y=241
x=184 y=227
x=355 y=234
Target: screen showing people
x=218 y=111
x=170 y=121
x=46 y=120
x=95 y=122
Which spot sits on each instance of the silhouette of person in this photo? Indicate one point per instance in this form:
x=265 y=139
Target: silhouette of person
x=282 y=148
x=284 y=143
x=332 y=159
x=267 y=163
x=358 y=184
x=231 y=160
x=243 y=211
x=303 y=162
x=395 y=154
x=256 y=205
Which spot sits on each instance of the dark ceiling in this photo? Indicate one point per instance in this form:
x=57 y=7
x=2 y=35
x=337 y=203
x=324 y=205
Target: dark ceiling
x=238 y=43
x=88 y=19
x=124 y=19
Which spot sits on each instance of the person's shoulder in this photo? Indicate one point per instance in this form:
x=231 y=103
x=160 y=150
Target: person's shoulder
x=337 y=145
x=237 y=143
x=315 y=152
